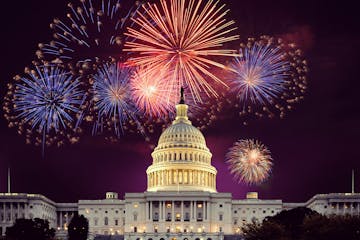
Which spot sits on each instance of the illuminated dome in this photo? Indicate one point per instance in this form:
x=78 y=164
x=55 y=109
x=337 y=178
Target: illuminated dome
x=181 y=160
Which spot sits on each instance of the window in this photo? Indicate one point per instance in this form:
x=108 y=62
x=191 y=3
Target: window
x=220 y=217
x=116 y=211
x=135 y=217
x=235 y=212
x=135 y=229
x=106 y=221
x=116 y=222
x=168 y=218
x=187 y=216
x=199 y=216
x=106 y=211
x=221 y=205
x=156 y=216
x=95 y=222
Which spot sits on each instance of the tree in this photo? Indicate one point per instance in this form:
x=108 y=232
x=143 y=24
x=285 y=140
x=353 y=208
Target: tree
x=25 y=229
x=265 y=231
x=78 y=228
x=286 y=225
x=333 y=227
x=292 y=220
x=304 y=224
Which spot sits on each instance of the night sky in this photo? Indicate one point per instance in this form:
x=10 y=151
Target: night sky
x=314 y=148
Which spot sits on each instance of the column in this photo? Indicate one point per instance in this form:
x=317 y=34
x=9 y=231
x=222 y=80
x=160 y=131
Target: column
x=4 y=207
x=171 y=177
x=182 y=211
x=61 y=221
x=160 y=210
x=177 y=176
x=203 y=210
x=11 y=212
x=151 y=211
x=191 y=210
x=208 y=206
x=164 y=210
x=147 y=211
x=172 y=211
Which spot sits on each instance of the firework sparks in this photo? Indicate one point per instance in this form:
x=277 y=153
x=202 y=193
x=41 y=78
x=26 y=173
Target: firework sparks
x=260 y=73
x=270 y=77
x=46 y=101
x=112 y=98
x=91 y=33
x=151 y=93
x=249 y=161
x=181 y=37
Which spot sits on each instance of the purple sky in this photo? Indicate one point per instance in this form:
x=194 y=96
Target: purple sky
x=314 y=147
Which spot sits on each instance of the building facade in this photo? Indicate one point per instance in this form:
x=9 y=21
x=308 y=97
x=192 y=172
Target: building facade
x=181 y=200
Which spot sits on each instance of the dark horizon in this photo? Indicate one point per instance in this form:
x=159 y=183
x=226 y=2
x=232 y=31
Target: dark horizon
x=314 y=148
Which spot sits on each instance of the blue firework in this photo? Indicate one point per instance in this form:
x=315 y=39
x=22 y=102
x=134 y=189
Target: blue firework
x=47 y=101
x=91 y=33
x=261 y=72
x=113 y=99
x=269 y=77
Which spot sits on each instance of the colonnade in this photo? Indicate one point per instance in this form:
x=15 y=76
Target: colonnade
x=186 y=210
x=201 y=157
x=183 y=177
x=11 y=211
x=346 y=210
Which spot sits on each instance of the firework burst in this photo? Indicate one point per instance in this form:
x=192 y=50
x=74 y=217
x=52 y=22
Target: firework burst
x=249 y=161
x=269 y=77
x=152 y=94
x=91 y=33
x=182 y=37
x=44 y=105
x=112 y=98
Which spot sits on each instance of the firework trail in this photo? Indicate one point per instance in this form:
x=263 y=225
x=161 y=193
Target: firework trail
x=249 y=161
x=44 y=103
x=184 y=37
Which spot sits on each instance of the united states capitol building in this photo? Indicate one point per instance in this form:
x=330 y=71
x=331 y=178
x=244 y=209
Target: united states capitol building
x=181 y=201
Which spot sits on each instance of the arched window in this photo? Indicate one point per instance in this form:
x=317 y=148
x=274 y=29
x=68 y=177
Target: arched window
x=106 y=221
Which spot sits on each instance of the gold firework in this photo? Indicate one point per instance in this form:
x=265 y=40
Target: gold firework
x=182 y=37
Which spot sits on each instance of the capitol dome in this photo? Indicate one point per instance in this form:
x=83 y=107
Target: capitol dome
x=181 y=160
